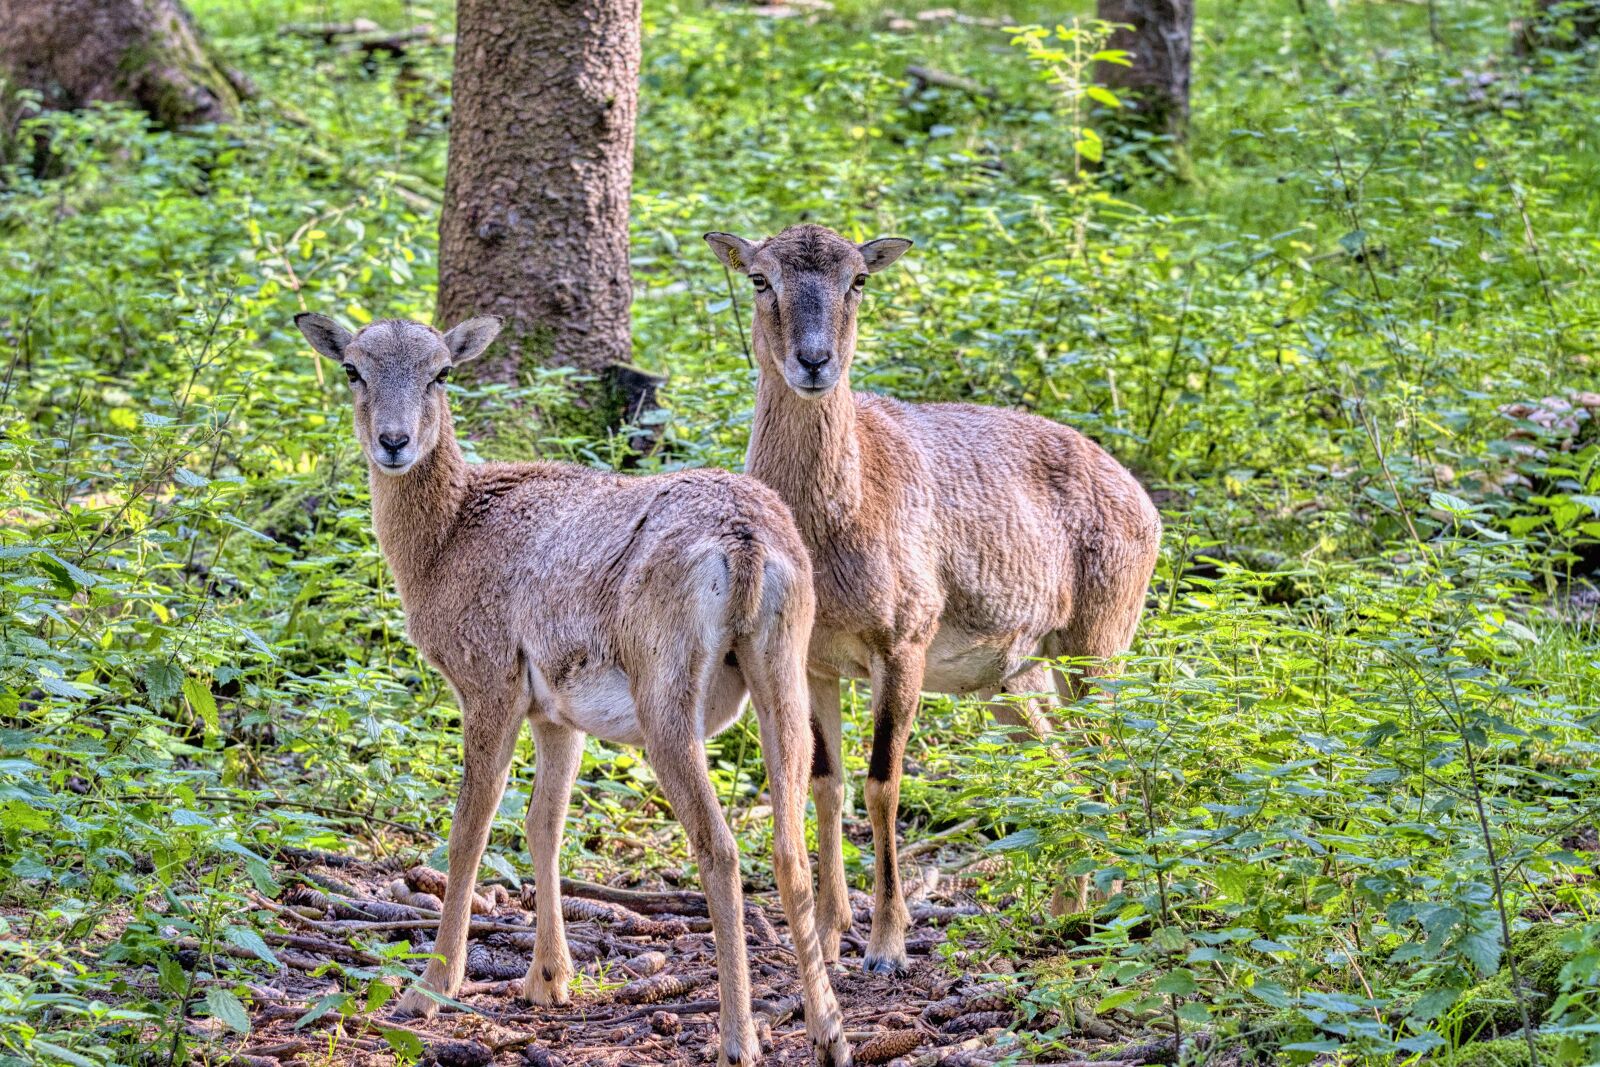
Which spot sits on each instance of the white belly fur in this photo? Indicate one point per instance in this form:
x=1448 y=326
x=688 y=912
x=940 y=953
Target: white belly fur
x=599 y=702
x=957 y=662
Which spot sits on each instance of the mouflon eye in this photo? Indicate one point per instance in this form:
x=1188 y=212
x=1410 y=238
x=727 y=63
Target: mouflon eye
x=351 y=373
x=442 y=377
x=760 y=282
x=860 y=283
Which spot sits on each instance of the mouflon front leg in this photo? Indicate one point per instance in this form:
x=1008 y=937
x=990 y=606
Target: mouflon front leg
x=489 y=735
x=896 y=692
x=559 y=752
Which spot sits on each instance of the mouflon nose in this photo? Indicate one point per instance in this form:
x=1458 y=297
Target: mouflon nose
x=813 y=358
x=394 y=442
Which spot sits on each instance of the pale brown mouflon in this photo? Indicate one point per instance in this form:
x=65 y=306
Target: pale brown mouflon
x=952 y=544
x=584 y=602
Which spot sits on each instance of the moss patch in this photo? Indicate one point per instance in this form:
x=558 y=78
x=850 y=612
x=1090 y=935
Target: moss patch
x=1489 y=1008
x=1501 y=1052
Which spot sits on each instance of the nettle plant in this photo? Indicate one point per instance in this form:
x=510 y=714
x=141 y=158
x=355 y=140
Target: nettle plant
x=1330 y=812
x=1066 y=57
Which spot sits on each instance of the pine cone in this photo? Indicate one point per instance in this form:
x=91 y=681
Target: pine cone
x=646 y=964
x=941 y=1011
x=486 y=966
x=300 y=893
x=581 y=909
x=660 y=929
x=885 y=1047
x=653 y=990
x=760 y=927
x=980 y=1002
x=427 y=880
x=977 y=1021
x=459 y=1054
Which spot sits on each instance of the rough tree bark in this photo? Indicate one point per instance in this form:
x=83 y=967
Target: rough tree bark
x=535 y=224
x=1557 y=24
x=145 y=52
x=1155 y=89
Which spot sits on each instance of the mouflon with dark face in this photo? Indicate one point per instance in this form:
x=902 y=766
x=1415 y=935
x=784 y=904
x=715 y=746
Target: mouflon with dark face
x=952 y=544
x=636 y=609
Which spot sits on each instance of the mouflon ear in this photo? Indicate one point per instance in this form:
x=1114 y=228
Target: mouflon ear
x=735 y=252
x=467 y=340
x=882 y=252
x=325 y=335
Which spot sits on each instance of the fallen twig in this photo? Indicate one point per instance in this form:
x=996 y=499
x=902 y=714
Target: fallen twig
x=288 y=959
x=329 y=30
x=660 y=902
x=327 y=948
x=395 y=42
x=922 y=77
x=936 y=841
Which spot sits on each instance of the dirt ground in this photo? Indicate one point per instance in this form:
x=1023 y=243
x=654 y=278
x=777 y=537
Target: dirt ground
x=647 y=994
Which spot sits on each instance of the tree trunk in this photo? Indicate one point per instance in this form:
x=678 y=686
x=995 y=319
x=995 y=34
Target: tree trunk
x=535 y=224
x=1559 y=24
x=145 y=52
x=1155 y=89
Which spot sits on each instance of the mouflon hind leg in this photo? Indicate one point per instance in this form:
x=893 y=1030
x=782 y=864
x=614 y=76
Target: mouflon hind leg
x=776 y=674
x=669 y=709
x=827 y=790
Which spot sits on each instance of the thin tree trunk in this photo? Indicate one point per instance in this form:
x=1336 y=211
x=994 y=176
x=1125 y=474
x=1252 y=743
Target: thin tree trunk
x=1558 y=24
x=145 y=52
x=535 y=224
x=1155 y=89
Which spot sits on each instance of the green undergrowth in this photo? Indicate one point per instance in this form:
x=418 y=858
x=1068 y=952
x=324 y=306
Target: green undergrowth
x=1353 y=746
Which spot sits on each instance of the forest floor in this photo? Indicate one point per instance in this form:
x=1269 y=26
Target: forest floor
x=1346 y=777
x=647 y=988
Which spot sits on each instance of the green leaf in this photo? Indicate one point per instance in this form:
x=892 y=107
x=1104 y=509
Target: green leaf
x=1178 y=983
x=55 y=685
x=1325 y=1045
x=378 y=994
x=322 y=1006
x=1089 y=146
x=64 y=1054
x=1452 y=504
x=1013 y=842
x=227 y=1009
x=198 y=694
x=1117 y=998
x=1432 y=1004
x=163 y=680
x=251 y=530
x=501 y=866
x=1483 y=949
x=405 y=1044
x=1101 y=95
x=252 y=943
